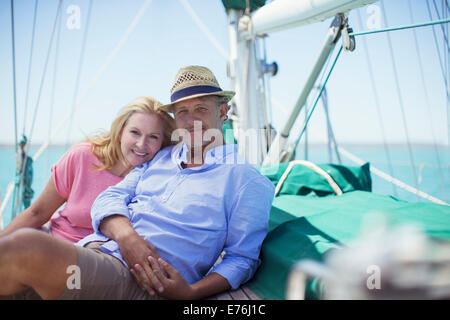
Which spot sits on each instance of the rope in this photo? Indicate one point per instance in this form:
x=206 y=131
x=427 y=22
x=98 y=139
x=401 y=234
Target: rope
x=23 y=179
x=313 y=167
x=417 y=25
x=390 y=179
x=9 y=192
x=315 y=104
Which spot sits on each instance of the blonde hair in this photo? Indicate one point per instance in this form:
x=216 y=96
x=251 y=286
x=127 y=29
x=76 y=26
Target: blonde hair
x=106 y=146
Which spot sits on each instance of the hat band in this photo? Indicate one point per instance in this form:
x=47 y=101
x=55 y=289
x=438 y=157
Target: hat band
x=189 y=91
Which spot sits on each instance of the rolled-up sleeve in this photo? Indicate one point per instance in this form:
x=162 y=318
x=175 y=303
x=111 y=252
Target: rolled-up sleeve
x=115 y=199
x=247 y=228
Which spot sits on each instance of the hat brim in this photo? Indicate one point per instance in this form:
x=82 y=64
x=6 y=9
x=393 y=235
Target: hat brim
x=228 y=94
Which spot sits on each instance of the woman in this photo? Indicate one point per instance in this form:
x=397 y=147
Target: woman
x=140 y=130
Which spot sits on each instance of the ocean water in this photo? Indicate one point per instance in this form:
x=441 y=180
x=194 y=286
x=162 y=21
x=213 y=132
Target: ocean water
x=430 y=178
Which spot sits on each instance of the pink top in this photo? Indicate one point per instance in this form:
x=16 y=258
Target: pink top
x=79 y=182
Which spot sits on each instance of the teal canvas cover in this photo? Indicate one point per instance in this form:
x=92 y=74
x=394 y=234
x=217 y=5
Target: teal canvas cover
x=307 y=227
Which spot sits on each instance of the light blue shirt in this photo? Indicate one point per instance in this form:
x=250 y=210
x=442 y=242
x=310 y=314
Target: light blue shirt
x=192 y=215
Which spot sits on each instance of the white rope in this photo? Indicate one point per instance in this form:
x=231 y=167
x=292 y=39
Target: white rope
x=204 y=29
x=313 y=167
x=9 y=191
x=391 y=179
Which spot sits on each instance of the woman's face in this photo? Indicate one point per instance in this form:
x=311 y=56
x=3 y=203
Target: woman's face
x=141 y=138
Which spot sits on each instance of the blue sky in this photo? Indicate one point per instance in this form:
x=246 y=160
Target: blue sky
x=166 y=38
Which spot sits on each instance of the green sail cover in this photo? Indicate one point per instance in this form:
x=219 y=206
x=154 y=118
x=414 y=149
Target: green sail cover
x=309 y=226
x=242 y=4
x=303 y=181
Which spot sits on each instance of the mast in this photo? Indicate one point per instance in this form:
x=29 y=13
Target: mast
x=246 y=69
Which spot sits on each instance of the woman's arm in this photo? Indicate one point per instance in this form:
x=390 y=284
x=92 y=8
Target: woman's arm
x=39 y=212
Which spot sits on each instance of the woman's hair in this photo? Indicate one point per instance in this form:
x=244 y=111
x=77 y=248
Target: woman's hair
x=106 y=146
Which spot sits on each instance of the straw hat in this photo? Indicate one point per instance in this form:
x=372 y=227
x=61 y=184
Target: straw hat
x=194 y=82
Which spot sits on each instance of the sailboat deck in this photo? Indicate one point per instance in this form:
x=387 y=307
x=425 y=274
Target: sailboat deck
x=242 y=293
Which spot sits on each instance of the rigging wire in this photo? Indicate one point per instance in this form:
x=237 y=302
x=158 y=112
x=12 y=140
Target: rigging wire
x=53 y=91
x=30 y=63
x=98 y=74
x=204 y=29
x=377 y=105
x=444 y=74
x=24 y=164
x=427 y=100
x=58 y=12
x=315 y=104
x=400 y=98
x=13 y=47
x=442 y=26
x=25 y=148
x=306 y=108
x=78 y=79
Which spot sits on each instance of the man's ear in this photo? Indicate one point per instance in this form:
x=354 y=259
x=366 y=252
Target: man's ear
x=223 y=110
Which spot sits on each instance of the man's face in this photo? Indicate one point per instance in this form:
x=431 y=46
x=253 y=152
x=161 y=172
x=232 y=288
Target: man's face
x=199 y=115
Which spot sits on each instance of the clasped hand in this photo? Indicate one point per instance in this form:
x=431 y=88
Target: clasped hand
x=151 y=272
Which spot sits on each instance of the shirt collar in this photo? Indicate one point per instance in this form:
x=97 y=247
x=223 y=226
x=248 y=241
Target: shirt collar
x=216 y=155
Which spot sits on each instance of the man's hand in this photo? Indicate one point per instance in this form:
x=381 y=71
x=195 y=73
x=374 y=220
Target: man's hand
x=134 y=249
x=172 y=283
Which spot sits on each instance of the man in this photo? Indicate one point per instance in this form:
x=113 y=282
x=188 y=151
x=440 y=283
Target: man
x=168 y=221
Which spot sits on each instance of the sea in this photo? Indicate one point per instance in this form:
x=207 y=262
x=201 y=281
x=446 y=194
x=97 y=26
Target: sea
x=431 y=165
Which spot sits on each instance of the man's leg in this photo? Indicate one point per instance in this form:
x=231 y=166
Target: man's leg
x=31 y=258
